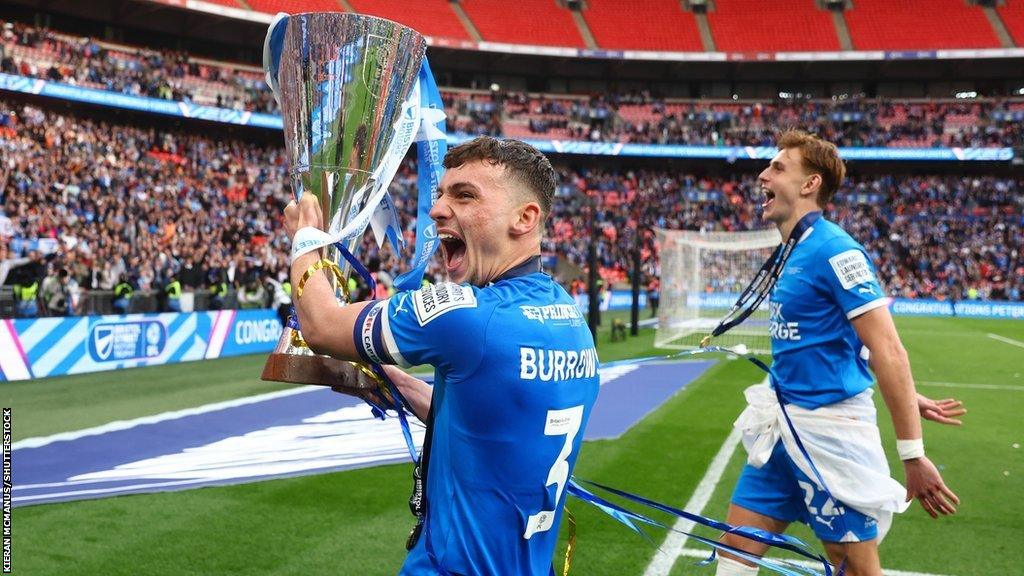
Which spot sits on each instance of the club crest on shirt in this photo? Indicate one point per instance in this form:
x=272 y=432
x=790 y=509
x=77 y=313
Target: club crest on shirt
x=851 y=267
x=432 y=301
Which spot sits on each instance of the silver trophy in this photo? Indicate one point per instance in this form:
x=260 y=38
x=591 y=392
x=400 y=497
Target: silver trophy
x=346 y=84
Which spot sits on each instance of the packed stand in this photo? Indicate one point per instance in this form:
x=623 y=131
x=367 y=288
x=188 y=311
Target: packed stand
x=635 y=117
x=942 y=237
x=165 y=74
x=642 y=119
x=88 y=206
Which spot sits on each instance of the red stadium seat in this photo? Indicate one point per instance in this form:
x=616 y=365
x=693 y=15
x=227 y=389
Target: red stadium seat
x=429 y=17
x=918 y=25
x=228 y=3
x=1013 y=16
x=651 y=25
x=776 y=26
x=539 y=22
x=294 y=6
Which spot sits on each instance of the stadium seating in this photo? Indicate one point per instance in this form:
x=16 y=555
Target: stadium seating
x=779 y=25
x=430 y=17
x=219 y=200
x=609 y=118
x=1013 y=17
x=294 y=6
x=648 y=25
x=228 y=3
x=918 y=25
x=524 y=22
x=662 y=25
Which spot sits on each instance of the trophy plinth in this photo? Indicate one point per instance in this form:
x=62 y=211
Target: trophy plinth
x=346 y=86
x=300 y=365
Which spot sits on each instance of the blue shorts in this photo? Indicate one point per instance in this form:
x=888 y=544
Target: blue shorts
x=780 y=490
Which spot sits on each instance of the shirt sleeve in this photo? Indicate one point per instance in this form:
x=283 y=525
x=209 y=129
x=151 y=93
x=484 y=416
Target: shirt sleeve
x=850 y=278
x=442 y=325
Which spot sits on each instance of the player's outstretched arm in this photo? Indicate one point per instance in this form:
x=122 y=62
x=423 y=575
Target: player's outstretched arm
x=891 y=365
x=326 y=327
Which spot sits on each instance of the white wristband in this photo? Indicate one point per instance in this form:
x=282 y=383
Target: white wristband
x=910 y=449
x=308 y=239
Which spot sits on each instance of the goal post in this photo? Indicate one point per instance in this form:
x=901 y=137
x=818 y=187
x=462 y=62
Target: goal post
x=702 y=275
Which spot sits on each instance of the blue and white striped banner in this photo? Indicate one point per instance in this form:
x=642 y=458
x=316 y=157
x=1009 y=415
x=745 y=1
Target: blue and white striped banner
x=37 y=348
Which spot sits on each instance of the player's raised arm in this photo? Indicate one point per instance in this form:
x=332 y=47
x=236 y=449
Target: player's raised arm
x=326 y=327
x=891 y=365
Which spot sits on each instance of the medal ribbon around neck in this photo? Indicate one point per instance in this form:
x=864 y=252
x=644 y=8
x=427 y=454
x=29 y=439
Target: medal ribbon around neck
x=759 y=289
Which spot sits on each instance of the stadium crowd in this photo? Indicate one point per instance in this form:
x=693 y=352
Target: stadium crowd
x=88 y=203
x=847 y=122
x=165 y=74
x=638 y=117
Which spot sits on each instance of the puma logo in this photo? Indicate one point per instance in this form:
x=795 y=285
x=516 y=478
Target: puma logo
x=828 y=523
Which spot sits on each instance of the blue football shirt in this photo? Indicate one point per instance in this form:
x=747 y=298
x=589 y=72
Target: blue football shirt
x=516 y=376
x=827 y=281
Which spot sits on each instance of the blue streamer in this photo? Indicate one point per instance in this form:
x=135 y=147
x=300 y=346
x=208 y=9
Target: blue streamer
x=771 y=539
x=430 y=168
x=400 y=402
x=628 y=517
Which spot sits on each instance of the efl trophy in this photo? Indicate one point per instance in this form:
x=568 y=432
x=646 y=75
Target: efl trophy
x=344 y=83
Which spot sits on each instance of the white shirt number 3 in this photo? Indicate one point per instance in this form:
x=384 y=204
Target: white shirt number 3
x=559 y=423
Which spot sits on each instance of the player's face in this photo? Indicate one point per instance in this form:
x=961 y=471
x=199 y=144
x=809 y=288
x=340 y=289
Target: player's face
x=781 y=183
x=474 y=212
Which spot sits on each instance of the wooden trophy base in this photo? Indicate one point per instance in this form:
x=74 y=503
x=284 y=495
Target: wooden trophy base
x=299 y=365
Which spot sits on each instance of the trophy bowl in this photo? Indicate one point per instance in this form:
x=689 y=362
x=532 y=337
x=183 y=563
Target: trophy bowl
x=343 y=81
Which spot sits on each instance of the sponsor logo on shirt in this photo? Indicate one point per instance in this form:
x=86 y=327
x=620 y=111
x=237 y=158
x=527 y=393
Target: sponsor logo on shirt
x=432 y=301
x=851 y=267
x=556 y=365
x=557 y=314
x=778 y=328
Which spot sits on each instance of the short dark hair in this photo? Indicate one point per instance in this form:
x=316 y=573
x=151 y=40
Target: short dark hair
x=523 y=163
x=817 y=157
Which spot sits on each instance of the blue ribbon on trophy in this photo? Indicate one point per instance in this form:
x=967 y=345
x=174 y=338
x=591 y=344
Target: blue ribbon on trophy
x=431 y=147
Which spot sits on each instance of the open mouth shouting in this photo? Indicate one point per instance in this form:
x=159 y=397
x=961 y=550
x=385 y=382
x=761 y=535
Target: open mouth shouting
x=453 y=249
x=769 y=198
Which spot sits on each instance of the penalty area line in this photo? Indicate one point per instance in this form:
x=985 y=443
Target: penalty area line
x=670 y=550
x=1009 y=341
x=696 y=553
x=971 y=385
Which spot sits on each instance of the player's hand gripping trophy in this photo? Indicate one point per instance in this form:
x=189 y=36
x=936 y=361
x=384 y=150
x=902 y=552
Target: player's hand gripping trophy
x=346 y=84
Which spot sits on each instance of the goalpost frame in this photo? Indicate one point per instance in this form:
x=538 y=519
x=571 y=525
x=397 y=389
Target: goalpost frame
x=702 y=274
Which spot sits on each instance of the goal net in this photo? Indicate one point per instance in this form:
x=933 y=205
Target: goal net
x=702 y=275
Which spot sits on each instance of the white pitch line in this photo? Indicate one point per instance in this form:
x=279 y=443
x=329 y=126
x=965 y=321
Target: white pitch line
x=666 y=555
x=126 y=424
x=970 y=385
x=1009 y=341
x=696 y=553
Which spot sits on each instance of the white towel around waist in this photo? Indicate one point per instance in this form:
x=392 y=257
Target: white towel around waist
x=843 y=441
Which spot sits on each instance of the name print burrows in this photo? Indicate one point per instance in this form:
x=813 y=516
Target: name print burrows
x=556 y=365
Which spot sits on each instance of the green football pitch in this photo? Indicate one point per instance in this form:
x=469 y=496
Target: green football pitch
x=355 y=522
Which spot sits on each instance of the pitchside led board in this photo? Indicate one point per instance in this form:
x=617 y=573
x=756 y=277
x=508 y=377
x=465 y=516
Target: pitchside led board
x=35 y=348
